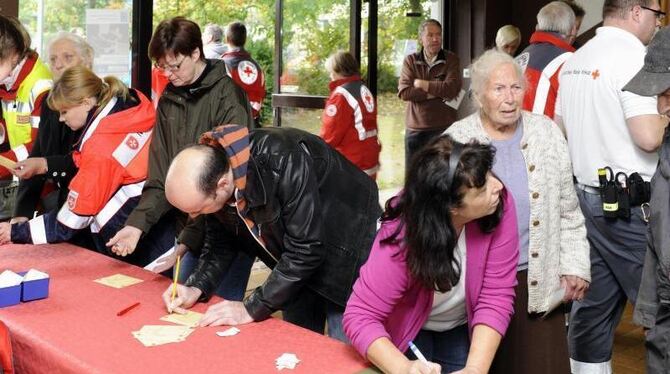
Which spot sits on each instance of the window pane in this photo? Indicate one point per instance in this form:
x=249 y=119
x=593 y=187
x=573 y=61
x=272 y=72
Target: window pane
x=312 y=31
x=397 y=37
x=258 y=17
x=301 y=118
x=105 y=23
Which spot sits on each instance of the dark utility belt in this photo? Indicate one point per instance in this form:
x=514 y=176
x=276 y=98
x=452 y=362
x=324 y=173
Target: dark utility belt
x=619 y=192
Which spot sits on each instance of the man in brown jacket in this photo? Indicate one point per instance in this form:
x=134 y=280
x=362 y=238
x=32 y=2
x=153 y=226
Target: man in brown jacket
x=428 y=78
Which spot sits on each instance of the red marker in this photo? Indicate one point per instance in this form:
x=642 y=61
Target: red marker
x=128 y=309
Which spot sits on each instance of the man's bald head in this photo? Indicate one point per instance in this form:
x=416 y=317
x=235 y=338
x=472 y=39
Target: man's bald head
x=199 y=176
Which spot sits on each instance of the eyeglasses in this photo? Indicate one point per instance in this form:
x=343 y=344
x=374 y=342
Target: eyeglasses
x=171 y=68
x=659 y=15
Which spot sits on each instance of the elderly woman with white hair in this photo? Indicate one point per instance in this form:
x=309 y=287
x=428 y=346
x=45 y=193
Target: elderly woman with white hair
x=50 y=160
x=533 y=162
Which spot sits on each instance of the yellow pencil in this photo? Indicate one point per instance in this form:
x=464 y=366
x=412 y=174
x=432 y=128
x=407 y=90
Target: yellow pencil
x=174 y=281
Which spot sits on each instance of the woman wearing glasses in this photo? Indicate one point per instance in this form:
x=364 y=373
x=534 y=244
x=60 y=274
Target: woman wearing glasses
x=442 y=269
x=199 y=97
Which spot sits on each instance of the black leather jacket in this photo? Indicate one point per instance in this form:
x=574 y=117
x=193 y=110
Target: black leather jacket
x=317 y=215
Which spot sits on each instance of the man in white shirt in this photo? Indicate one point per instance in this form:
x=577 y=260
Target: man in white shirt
x=606 y=126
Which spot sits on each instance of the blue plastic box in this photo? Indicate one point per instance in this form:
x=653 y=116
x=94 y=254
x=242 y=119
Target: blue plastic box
x=35 y=289
x=10 y=295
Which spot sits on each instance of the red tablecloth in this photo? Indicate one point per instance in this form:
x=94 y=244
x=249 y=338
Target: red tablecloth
x=76 y=330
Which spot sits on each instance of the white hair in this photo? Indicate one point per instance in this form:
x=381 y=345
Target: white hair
x=556 y=16
x=507 y=34
x=481 y=69
x=82 y=47
x=212 y=33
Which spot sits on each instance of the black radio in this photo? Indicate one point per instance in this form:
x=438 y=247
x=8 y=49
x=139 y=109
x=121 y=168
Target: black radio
x=620 y=192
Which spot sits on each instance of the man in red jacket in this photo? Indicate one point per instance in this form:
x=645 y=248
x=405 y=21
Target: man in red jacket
x=542 y=60
x=244 y=70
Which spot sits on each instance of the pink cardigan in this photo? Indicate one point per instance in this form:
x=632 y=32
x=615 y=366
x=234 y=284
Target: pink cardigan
x=387 y=302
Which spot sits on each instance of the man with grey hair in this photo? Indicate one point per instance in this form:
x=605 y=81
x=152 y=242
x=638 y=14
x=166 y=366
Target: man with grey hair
x=212 y=41
x=580 y=13
x=613 y=136
x=542 y=60
x=652 y=309
x=428 y=79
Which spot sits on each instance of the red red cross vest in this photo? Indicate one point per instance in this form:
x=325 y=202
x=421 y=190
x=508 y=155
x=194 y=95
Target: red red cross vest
x=349 y=123
x=246 y=72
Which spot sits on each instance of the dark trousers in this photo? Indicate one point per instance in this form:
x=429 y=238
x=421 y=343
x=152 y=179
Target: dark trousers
x=448 y=348
x=618 y=247
x=658 y=343
x=532 y=344
x=234 y=283
x=311 y=311
x=415 y=140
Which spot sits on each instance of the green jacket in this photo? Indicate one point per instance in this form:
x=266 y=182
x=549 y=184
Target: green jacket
x=182 y=116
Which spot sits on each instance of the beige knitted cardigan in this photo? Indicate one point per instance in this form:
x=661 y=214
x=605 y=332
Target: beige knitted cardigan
x=557 y=237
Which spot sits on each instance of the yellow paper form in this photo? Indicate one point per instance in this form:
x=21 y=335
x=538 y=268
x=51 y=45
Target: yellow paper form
x=151 y=336
x=189 y=319
x=118 y=281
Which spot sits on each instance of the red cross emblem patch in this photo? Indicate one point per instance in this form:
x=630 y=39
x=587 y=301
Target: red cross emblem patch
x=368 y=99
x=247 y=72
x=132 y=143
x=72 y=199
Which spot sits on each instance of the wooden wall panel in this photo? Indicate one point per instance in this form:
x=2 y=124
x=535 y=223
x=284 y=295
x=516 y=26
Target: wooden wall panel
x=9 y=7
x=476 y=22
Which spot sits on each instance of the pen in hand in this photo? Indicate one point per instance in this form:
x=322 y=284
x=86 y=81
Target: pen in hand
x=417 y=352
x=174 y=283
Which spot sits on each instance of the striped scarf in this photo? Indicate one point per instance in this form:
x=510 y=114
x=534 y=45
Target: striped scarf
x=234 y=139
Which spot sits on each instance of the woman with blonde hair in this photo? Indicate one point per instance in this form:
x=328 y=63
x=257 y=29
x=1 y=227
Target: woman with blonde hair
x=111 y=155
x=51 y=150
x=508 y=39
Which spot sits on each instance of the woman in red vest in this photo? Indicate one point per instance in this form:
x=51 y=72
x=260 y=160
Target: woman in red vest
x=350 y=118
x=112 y=156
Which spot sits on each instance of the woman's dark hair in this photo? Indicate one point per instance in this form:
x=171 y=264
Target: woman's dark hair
x=175 y=36
x=14 y=39
x=424 y=208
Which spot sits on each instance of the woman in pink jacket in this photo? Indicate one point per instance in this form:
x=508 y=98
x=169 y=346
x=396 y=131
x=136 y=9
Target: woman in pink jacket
x=442 y=269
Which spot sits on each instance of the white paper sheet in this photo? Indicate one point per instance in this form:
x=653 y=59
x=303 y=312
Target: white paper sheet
x=456 y=102
x=287 y=361
x=9 y=278
x=555 y=300
x=157 y=265
x=34 y=274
